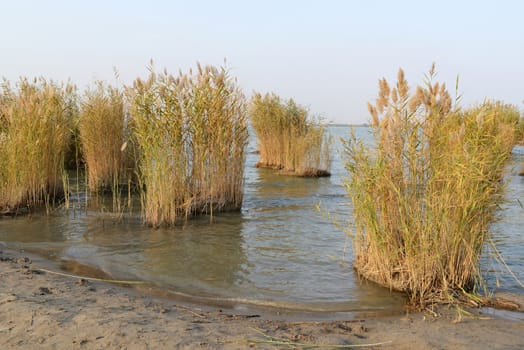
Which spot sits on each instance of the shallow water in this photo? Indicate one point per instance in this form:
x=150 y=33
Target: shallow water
x=279 y=251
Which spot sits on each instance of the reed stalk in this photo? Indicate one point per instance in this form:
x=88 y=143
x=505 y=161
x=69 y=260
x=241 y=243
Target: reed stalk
x=424 y=196
x=191 y=134
x=289 y=139
x=34 y=135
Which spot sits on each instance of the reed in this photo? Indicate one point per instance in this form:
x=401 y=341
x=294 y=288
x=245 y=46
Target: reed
x=191 y=134
x=520 y=129
x=289 y=139
x=424 y=196
x=520 y=139
x=103 y=135
x=34 y=135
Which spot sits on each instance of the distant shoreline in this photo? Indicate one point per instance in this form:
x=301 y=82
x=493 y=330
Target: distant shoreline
x=364 y=125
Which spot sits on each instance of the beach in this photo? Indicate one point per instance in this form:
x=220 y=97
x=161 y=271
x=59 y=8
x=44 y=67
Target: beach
x=42 y=309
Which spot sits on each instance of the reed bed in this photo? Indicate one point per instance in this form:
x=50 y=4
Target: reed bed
x=191 y=135
x=289 y=139
x=104 y=134
x=424 y=196
x=35 y=130
x=520 y=138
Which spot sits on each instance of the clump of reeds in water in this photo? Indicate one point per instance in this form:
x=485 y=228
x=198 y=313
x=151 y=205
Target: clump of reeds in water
x=424 y=196
x=289 y=140
x=191 y=134
x=103 y=135
x=35 y=124
x=520 y=137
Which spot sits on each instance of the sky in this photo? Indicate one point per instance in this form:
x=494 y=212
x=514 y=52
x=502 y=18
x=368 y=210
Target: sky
x=327 y=55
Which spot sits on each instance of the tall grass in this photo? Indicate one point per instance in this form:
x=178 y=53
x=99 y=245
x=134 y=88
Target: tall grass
x=34 y=134
x=103 y=133
x=520 y=138
x=424 y=196
x=289 y=139
x=191 y=134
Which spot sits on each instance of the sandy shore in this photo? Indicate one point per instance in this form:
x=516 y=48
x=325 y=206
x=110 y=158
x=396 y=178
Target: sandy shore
x=43 y=310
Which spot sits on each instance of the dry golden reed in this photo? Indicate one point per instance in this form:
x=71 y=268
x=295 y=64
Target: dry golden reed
x=424 y=196
x=190 y=132
x=35 y=129
x=288 y=139
x=104 y=134
x=103 y=137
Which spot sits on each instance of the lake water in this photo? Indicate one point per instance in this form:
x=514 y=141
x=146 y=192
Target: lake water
x=279 y=252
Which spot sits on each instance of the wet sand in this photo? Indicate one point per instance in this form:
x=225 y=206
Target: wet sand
x=44 y=310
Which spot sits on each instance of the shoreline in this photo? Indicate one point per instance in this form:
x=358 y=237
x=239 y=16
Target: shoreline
x=42 y=310
x=272 y=309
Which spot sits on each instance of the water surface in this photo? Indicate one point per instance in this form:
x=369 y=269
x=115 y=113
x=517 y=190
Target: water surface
x=280 y=251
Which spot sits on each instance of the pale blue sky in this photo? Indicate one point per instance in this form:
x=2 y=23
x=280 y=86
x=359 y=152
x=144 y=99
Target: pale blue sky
x=328 y=55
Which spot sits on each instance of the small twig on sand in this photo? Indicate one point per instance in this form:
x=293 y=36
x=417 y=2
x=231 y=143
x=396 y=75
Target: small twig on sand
x=274 y=341
x=433 y=313
x=315 y=346
x=189 y=310
x=90 y=278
